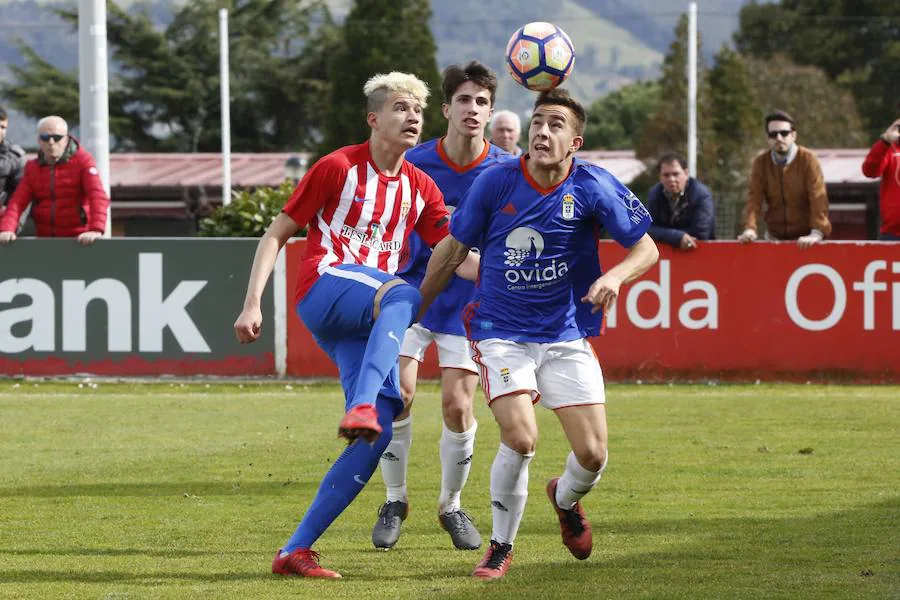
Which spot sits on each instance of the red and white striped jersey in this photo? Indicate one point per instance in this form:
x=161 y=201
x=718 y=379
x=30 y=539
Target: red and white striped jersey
x=358 y=215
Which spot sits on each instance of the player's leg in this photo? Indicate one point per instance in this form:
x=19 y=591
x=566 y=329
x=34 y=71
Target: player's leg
x=395 y=459
x=507 y=376
x=395 y=306
x=340 y=486
x=459 y=379
x=353 y=301
x=572 y=385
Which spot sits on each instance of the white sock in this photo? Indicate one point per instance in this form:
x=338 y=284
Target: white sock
x=509 y=492
x=394 y=460
x=456 y=462
x=576 y=482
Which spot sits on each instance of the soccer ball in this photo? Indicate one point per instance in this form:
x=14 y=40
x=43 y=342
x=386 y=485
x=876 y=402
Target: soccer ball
x=540 y=56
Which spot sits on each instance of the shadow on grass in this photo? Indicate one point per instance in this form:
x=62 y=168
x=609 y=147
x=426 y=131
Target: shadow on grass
x=190 y=488
x=41 y=576
x=113 y=552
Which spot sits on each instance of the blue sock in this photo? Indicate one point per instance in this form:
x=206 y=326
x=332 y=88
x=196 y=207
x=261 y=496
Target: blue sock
x=345 y=479
x=399 y=308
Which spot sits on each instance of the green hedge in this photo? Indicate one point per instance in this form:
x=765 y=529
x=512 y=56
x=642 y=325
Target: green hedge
x=248 y=214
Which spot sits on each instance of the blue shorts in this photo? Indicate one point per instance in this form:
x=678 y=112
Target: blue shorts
x=338 y=311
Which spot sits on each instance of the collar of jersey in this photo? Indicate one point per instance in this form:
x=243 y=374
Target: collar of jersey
x=457 y=168
x=533 y=183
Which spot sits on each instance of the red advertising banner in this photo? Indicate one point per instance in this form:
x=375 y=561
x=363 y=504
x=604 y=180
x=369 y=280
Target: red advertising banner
x=766 y=311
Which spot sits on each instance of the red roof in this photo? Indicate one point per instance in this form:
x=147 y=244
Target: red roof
x=182 y=170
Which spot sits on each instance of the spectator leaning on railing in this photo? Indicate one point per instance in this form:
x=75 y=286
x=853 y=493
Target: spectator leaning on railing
x=788 y=179
x=682 y=208
x=883 y=161
x=63 y=187
x=11 y=163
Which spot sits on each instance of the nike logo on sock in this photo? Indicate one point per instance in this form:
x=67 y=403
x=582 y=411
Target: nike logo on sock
x=358 y=480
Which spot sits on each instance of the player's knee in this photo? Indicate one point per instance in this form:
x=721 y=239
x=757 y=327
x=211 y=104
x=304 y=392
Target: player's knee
x=404 y=293
x=455 y=409
x=407 y=394
x=522 y=440
x=592 y=457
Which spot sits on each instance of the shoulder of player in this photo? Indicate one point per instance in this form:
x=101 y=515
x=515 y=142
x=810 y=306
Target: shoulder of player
x=590 y=173
x=424 y=150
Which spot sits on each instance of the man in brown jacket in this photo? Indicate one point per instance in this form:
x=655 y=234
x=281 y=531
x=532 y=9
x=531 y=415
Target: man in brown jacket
x=788 y=179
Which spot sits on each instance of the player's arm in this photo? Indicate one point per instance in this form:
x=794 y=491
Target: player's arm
x=468 y=269
x=446 y=257
x=249 y=322
x=604 y=291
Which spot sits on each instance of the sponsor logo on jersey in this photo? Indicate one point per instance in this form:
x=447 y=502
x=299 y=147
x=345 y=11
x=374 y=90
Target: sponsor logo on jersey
x=635 y=207
x=372 y=240
x=524 y=247
x=568 y=207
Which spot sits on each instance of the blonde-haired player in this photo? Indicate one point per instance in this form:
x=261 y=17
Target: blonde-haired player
x=360 y=202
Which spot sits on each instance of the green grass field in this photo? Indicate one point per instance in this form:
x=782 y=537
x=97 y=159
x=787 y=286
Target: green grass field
x=185 y=491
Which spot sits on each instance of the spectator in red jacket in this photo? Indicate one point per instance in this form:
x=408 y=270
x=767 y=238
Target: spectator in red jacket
x=63 y=187
x=883 y=160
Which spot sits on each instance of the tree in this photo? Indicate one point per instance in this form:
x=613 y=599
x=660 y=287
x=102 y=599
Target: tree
x=734 y=122
x=826 y=114
x=380 y=36
x=164 y=87
x=667 y=130
x=855 y=42
x=615 y=121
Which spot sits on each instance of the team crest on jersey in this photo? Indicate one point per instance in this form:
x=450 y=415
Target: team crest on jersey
x=405 y=205
x=568 y=207
x=504 y=375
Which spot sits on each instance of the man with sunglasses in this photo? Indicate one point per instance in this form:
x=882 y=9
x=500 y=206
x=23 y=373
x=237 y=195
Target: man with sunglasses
x=63 y=187
x=788 y=180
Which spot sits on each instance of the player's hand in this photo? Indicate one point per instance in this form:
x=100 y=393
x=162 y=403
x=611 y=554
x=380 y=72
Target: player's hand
x=748 y=236
x=892 y=134
x=248 y=325
x=89 y=237
x=808 y=240
x=7 y=237
x=688 y=242
x=603 y=292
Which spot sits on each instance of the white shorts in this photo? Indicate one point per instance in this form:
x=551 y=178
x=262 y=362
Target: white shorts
x=453 y=350
x=557 y=374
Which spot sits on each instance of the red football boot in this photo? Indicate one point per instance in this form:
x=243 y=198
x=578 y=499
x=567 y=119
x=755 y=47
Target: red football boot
x=302 y=562
x=575 y=528
x=495 y=563
x=360 y=421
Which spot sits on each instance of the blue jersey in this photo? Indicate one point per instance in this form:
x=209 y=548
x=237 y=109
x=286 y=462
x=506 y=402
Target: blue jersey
x=539 y=249
x=453 y=180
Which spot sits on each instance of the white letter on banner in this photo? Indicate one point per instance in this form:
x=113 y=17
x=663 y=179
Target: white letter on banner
x=77 y=297
x=663 y=292
x=41 y=312
x=710 y=303
x=895 y=295
x=156 y=313
x=868 y=286
x=840 y=297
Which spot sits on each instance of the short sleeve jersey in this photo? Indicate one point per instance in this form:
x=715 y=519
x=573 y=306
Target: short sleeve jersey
x=539 y=251
x=444 y=315
x=358 y=215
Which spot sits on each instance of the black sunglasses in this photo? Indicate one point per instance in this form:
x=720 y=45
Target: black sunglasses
x=783 y=133
x=46 y=137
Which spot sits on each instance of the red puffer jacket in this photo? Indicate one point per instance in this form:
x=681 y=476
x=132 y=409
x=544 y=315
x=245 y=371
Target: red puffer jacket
x=67 y=198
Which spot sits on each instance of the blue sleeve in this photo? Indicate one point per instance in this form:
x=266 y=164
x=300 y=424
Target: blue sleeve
x=622 y=213
x=469 y=221
x=704 y=225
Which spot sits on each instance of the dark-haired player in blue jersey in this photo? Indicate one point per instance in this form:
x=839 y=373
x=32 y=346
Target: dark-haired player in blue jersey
x=453 y=161
x=538 y=297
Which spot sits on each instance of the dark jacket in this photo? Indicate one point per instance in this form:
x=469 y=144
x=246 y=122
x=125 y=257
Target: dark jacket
x=67 y=197
x=12 y=165
x=697 y=217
